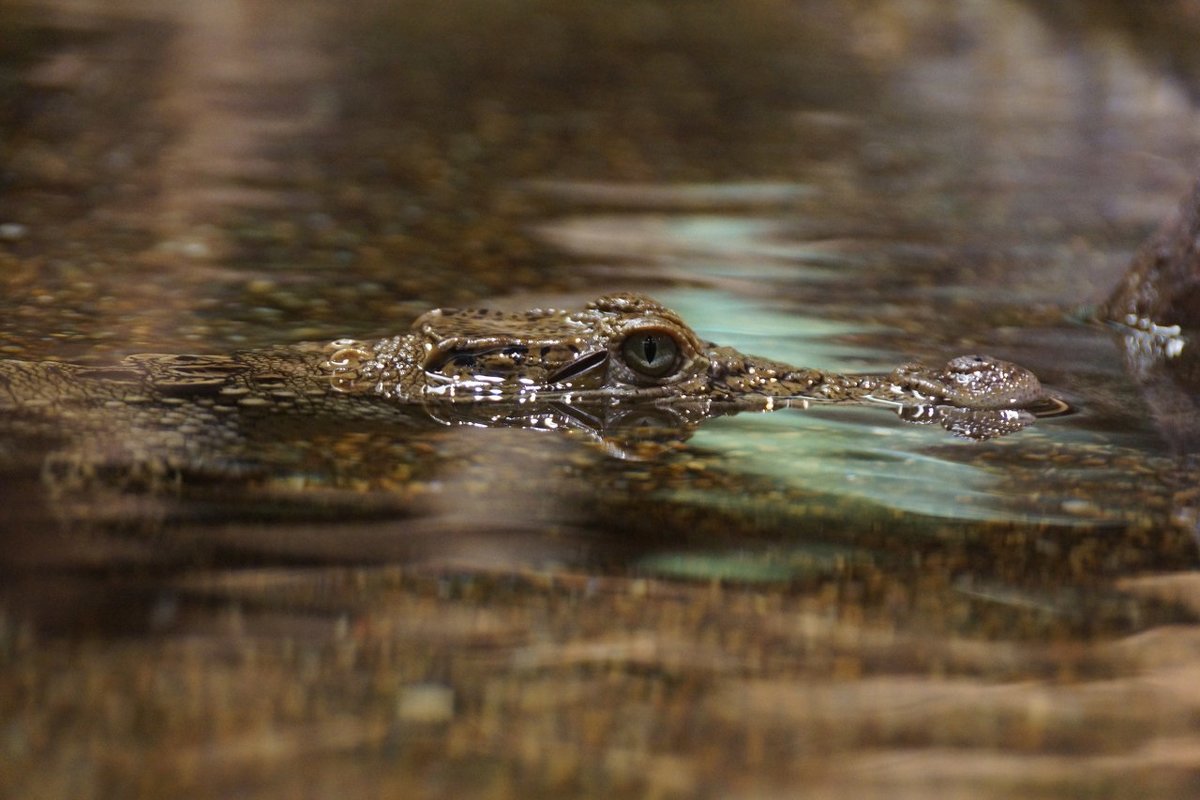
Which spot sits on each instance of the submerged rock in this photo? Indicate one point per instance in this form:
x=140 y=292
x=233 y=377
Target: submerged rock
x=1162 y=288
x=1156 y=308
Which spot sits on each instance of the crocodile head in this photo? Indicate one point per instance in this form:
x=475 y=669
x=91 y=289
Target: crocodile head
x=626 y=356
x=619 y=346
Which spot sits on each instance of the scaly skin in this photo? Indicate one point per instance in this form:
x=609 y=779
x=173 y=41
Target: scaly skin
x=583 y=356
x=979 y=382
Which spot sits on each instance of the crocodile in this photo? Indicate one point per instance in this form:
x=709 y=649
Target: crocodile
x=630 y=347
x=627 y=350
x=622 y=369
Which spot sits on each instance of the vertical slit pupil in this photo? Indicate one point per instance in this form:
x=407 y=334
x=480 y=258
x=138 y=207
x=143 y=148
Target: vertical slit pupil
x=649 y=349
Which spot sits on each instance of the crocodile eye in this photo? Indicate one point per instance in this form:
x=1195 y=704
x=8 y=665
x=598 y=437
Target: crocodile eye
x=651 y=354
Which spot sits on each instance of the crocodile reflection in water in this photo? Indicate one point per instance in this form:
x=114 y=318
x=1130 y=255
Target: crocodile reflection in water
x=623 y=369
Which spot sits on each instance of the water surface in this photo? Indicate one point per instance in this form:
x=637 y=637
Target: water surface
x=830 y=598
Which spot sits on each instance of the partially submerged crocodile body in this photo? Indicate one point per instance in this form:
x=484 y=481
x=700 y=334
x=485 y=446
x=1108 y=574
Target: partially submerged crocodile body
x=629 y=347
x=627 y=351
x=622 y=356
x=623 y=369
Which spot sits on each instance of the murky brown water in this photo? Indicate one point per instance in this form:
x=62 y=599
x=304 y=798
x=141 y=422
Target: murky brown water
x=831 y=600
